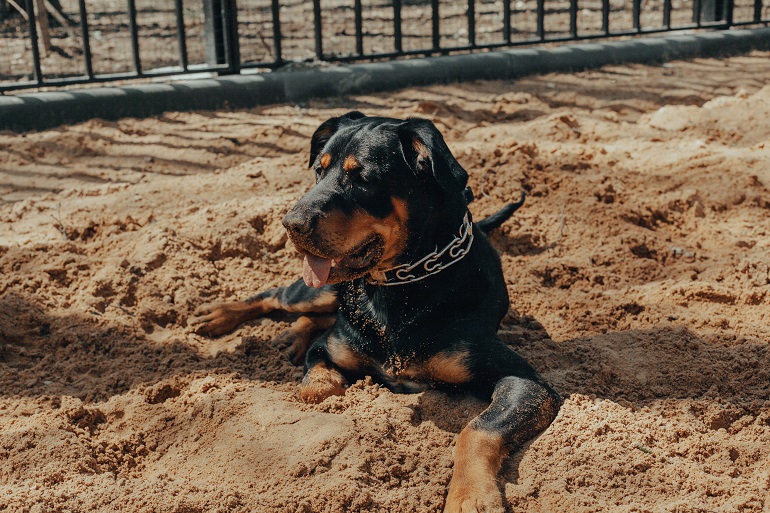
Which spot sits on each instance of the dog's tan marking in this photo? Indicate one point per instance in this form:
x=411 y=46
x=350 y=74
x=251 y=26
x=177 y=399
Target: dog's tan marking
x=325 y=302
x=342 y=355
x=478 y=456
x=320 y=382
x=449 y=367
x=326 y=160
x=270 y=303
x=394 y=231
x=324 y=131
x=350 y=163
x=420 y=148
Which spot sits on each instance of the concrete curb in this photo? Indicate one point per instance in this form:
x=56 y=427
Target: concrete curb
x=38 y=111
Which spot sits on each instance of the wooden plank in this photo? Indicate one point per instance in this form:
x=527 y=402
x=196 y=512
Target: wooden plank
x=42 y=26
x=59 y=16
x=19 y=8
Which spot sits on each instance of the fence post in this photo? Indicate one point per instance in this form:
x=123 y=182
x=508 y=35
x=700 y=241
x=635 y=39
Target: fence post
x=134 y=29
x=180 y=33
x=729 y=8
x=276 y=8
x=33 y=41
x=86 y=39
x=232 y=41
x=435 y=27
x=317 y=28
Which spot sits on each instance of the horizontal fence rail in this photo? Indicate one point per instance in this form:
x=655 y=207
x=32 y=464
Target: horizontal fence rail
x=62 y=42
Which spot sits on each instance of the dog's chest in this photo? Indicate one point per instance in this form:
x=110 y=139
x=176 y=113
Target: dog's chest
x=371 y=315
x=384 y=333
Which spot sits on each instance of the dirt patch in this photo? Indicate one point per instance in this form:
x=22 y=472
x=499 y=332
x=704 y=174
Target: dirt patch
x=638 y=272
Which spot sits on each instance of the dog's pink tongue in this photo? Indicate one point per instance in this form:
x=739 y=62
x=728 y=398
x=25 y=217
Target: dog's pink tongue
x=315 y=271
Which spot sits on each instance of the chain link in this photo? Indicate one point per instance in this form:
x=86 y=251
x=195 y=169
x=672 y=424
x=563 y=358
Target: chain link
x=433 y=262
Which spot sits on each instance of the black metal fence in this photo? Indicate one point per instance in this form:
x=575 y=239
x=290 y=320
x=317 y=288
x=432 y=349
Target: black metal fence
x=58 y=42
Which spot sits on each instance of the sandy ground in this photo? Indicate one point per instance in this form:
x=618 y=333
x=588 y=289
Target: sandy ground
x=638 y=272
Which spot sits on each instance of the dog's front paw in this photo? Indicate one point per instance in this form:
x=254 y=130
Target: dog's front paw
x=473 y=488
x=215 y=319
x=294 y=345
x=320 y=382
x=473 y=495
x=295 y=341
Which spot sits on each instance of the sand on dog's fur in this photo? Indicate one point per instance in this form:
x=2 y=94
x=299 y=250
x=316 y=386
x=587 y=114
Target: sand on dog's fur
x=638 y=272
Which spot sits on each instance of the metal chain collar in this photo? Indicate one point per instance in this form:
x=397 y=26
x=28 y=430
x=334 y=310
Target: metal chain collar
x=432 y=263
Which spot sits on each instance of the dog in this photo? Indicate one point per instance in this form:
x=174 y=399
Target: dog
x=404 y=288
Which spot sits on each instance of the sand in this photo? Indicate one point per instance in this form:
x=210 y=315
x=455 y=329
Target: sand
x=638 y=272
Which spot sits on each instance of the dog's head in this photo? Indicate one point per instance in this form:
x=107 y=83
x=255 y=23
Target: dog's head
x=379 y=181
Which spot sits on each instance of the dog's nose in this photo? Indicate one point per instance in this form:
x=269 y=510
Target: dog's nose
x=297 y=223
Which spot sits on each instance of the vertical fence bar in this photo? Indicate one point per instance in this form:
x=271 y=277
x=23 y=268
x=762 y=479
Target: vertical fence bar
x=134 y=36
x=637 y=14
x=231 y=36
x=180 y=33
x=757 y=11
x=435 y=25
x=573 y=10
x=507 y=21
x=696 y=11
x=38 y=73
x=213 y=33
x=86 y=39
x=667 y=14
x=472 y=22
x=319 y=48
x=606 y=17
x=359 y=23
x=397 y=35
x=541 y=20
x=712 y=10
x=277 y=36
x=729 y=10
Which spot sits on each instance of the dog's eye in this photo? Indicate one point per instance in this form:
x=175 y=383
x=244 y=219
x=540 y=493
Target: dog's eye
x=318 y=172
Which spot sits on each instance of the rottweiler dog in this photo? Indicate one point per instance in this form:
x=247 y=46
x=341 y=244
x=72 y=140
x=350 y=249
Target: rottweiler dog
x=404 y=288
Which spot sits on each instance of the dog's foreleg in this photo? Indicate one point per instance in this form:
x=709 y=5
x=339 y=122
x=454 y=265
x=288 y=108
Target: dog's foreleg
x=521 y=408
x=214 y=319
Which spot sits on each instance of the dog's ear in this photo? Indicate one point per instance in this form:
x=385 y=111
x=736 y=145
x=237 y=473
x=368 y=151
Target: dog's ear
x=325 y=132
x=426 y=153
